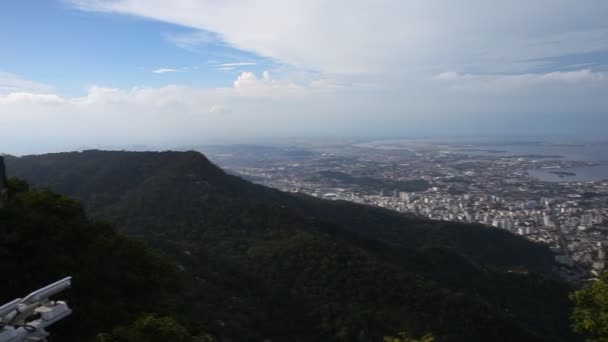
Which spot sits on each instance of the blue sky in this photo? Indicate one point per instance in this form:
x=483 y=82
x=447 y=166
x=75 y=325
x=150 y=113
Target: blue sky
x=53 y=43
x=82 y=73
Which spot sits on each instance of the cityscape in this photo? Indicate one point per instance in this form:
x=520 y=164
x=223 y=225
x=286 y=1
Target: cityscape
x=453 y=181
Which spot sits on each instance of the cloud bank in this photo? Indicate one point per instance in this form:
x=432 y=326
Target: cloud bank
x=260 y=106
x=385 y=36
x=340 y=68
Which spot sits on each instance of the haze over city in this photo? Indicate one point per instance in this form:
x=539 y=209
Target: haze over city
x=86 y=73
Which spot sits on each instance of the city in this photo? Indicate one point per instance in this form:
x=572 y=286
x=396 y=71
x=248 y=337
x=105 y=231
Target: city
x=447 y=182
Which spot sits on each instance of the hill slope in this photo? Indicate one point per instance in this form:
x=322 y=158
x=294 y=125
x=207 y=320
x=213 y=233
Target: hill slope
x=46 y=236
x=315 y=270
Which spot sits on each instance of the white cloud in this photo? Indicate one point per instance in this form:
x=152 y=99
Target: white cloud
x=575 y=76
x=520 y=82
x=237 y=64
x=219 y=110
x=165 y=70
x=351 y=37
x=21 y=97
x=246 y=79
x=166 y=116
x=13 y=83
x=449 y=76
x=248 y=84
x=191 y=41
x=261 y=106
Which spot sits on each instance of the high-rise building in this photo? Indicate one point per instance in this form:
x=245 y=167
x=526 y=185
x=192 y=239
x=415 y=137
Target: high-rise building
x=587 y=220
x=601 y=252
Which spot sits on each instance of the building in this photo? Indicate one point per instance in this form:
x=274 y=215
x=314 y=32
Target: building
x=587 y=220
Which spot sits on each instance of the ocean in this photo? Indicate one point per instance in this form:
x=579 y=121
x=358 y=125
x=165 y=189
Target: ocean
x=595 y=152
x=561 y=149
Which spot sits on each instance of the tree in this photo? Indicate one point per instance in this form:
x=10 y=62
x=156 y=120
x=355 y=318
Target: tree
x=404 y=337
x=152 y=328
x=590 y=313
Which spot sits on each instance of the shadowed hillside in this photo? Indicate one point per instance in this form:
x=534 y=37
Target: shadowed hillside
x=46 y=237
x=292 y=267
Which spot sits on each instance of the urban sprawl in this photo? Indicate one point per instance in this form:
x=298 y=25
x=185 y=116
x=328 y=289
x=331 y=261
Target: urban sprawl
x=446 y=182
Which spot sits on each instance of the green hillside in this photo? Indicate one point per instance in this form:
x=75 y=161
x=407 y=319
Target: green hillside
x=265 y=264
x=46 y=236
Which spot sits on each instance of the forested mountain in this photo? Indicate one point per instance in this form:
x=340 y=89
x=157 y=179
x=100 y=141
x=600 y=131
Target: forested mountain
x=260 y=263
x=46 y=236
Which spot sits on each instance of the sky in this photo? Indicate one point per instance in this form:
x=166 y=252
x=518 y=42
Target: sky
x=95 y=73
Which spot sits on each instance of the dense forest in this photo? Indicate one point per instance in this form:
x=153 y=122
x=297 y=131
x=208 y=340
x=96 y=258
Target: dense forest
x=46 y=236
x=241 y=262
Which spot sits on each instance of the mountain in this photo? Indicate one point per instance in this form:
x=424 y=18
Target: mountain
x=263 y=264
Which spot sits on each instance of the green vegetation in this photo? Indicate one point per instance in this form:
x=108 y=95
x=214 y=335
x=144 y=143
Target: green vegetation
x=403 y=337
x=46 y=236
x=260 y=264
x=152 y=328
x=590 y=314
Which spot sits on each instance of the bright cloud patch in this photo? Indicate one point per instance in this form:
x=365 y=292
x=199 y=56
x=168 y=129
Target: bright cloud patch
x=15 y=98
x=165 y=70
x=237 y=64
x=219 y=110
x=472 y=82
